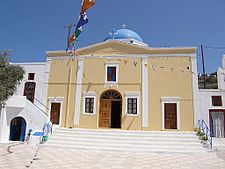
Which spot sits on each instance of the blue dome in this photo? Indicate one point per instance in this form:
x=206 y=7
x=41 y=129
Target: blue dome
x=124 y=34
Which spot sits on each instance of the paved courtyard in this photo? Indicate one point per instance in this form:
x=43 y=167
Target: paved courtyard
x=17 y=157
x=23 y=156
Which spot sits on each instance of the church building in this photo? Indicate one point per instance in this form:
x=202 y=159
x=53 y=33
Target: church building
x=123 y=83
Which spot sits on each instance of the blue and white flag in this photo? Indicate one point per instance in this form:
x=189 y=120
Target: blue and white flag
x=82 y=21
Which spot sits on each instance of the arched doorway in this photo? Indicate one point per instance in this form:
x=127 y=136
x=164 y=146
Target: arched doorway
x=17 y=129
x=110 y=109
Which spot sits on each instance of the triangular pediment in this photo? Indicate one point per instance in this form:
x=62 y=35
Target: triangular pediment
x=113 y=48
x=120 y=48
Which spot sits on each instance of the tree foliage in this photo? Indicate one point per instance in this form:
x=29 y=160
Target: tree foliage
x=10 y=77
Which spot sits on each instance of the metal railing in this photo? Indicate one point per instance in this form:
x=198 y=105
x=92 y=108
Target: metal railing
x=41 y=103
x=202 y=126
x=39 y=107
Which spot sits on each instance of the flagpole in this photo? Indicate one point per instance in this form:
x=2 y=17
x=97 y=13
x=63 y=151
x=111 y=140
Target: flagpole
x=68 y=34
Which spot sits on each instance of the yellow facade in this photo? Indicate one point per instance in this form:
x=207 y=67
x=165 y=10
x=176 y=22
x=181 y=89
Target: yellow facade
x=169 y=76
x=62 y=80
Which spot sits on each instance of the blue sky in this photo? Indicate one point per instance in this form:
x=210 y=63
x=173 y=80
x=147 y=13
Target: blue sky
x=31 y=27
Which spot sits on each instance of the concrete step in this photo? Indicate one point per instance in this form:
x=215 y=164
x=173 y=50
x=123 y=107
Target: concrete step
x=124 y=143
x=127 y=148
x=219 y=143
x=120 y=140
x=125 y=134
x=116 y=137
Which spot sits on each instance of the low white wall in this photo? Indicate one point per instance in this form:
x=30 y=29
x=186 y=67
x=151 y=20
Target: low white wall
x=16 y=101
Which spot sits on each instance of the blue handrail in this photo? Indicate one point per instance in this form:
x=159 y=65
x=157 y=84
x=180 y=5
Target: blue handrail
x=205 y=129
x=40 y=109
x=41 y=103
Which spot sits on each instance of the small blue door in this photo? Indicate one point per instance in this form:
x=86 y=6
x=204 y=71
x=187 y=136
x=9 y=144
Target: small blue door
x=18 y=129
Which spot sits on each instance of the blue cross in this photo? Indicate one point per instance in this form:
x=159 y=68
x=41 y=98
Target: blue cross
x=113 y=32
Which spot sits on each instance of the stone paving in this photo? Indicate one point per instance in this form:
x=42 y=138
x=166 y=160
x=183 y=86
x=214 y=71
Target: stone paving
x=86 y=159
x=23 y=156
x=18 y=157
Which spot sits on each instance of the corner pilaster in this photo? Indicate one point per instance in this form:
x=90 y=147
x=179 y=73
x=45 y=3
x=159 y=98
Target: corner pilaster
x=3 y=127
x=144 y=92
x=80 y=65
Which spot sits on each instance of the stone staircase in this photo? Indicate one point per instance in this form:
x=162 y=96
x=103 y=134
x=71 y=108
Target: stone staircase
x=121 y=140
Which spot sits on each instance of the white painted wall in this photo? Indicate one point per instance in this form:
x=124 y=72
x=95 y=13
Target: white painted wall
x=41 y=70
x=206 y=102
x=195 y=88
x=205 y=96
x=221 y=75
x=18 y=106
x=221 y=78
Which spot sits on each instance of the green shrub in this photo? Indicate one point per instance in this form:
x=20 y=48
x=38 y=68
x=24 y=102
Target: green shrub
x=200 y=133
x=204 y=138
x=196 y=129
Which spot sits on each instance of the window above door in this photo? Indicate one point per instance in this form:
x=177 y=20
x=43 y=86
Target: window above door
x=31 y=76
x=111 y=73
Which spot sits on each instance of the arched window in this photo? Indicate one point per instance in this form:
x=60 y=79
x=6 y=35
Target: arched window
x=112 y=95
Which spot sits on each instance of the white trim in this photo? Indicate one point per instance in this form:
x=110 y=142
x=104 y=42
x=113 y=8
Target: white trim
x=211 y=90
x=89 y=95
x=170 y=100
x=29 y=63
x=58 y=99
x=4 y=132
x=123 y=56
x=123 y=43
x=195 y=90
x=80 y=65
x=45 y=84
x=145 y=92
x=134 y=95
x=55 y=100
x=216 y=108
x=111 y=64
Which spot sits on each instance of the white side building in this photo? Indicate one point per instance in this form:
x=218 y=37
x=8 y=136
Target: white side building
x=212 y=105
x=26 y=109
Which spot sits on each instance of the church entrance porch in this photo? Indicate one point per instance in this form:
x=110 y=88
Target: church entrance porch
x=110 y=109
x=17 y=129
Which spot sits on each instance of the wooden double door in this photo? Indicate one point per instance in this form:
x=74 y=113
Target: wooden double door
x=110 y=114
x=170 y=115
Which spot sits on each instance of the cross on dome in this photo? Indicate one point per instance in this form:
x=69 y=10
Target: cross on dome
x=125 y=34
x=124 y=26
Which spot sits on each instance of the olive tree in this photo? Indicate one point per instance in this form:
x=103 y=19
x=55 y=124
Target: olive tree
x=10 y=77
